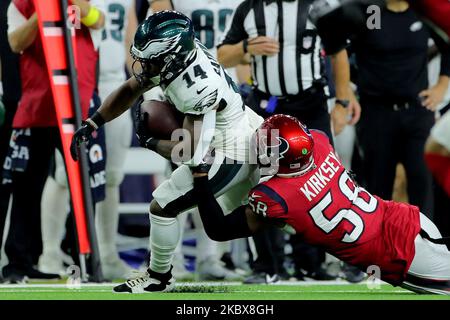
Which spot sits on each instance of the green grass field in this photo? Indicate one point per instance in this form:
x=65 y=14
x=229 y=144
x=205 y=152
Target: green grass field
x=217 y=291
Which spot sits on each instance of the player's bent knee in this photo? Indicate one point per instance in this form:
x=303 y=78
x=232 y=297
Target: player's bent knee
x=155 y=208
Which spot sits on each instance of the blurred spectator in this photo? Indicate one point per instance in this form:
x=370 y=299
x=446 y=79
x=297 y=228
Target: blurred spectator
x=9 y=98
x=397 y=104
x=288 y=77
x=210 y=19
x=118 y=35
x=36 y=135
x=441 y=198
x=437 y=156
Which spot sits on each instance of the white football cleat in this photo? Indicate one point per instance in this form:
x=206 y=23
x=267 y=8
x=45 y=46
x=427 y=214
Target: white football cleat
x=148 y=281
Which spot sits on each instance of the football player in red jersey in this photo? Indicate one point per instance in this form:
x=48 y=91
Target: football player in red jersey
x=313 y=195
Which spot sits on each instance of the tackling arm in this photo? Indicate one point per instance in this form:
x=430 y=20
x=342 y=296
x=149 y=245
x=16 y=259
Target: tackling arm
x=241 y=223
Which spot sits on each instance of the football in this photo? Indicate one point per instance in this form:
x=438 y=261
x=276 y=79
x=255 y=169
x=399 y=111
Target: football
x=163 y=118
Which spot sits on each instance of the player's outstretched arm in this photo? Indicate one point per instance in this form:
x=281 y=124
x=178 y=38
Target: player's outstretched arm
x=121 y=99
x=241 y=223
x=114 y=105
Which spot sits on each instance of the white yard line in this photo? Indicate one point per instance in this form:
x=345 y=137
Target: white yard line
x=13 y=290
x=240 y=291
x=322 y=291
x=179 y=284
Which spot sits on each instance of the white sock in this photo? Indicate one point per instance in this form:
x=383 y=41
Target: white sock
x=164 y=237
x=178 y=254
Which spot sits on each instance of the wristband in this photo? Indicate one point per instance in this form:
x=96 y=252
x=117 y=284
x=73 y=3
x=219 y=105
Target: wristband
x=96 y=120
x=245 y=45
x=92 y=17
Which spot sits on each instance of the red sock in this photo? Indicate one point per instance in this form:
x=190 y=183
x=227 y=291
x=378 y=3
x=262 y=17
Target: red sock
x=440 y=167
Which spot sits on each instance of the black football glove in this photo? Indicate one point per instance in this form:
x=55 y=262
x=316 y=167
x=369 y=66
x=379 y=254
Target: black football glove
x=144 y=136
x=83 y=134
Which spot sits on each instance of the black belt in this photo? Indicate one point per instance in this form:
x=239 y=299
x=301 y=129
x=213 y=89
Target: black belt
x=396 y=104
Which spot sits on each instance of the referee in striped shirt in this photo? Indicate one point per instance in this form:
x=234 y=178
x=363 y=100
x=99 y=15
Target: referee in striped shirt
x=285 y=53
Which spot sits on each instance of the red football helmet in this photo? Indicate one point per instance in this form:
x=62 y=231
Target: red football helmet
x=285 y=144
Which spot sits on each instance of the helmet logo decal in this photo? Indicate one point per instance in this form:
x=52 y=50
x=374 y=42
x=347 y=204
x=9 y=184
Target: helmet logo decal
x=271 y=148
x=155 y=48
x=280 y=149
x=206 y=102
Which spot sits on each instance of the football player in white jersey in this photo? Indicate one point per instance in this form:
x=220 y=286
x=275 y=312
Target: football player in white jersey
x=168 y=55
x=210 y=18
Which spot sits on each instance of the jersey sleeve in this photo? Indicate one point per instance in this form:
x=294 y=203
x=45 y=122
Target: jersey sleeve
x=267 y=203
x=203 y=96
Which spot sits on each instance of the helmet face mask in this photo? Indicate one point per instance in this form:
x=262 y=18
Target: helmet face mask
x=163 y=38
x=145 y=72
x=284 y=146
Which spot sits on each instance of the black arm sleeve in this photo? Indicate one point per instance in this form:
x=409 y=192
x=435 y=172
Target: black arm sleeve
x=219 y=227
x=236 y=31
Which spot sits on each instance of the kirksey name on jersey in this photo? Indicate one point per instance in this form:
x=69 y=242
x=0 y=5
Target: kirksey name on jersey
x=204 y=86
